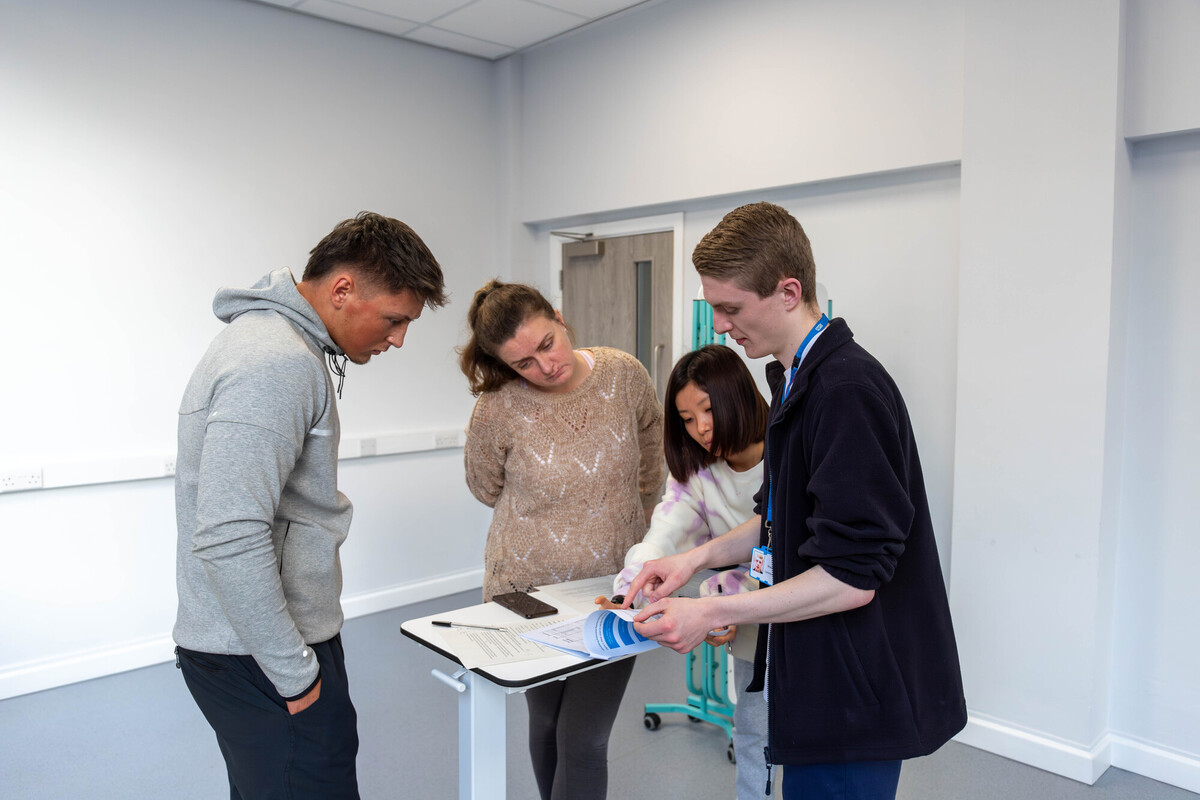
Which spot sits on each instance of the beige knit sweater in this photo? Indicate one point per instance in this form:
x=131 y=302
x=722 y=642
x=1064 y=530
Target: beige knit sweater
x=567 y=474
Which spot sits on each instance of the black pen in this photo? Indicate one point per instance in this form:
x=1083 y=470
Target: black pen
x=441 y=623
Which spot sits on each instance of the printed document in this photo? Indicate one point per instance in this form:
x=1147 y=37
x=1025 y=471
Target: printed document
x=600 y=634
x=475 y=647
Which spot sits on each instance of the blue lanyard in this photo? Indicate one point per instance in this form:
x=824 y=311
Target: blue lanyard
x=821 y=325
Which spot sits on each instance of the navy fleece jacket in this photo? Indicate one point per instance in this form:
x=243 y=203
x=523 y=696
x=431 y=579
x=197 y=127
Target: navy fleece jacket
x=880 y=682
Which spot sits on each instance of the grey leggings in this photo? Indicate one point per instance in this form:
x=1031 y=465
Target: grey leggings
x=569 y=725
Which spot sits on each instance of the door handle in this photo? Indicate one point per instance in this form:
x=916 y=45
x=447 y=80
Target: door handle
x=658 y=351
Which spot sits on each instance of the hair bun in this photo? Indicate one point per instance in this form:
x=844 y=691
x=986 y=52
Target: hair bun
x=481 y=294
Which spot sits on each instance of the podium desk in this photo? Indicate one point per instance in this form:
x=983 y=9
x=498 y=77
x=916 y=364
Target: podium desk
x=482 y=692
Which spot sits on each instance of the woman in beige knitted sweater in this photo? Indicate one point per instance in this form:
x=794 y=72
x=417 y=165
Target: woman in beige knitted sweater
x=566 y=446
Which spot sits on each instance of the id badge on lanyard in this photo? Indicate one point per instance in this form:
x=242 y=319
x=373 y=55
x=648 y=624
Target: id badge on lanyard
x=762 y=568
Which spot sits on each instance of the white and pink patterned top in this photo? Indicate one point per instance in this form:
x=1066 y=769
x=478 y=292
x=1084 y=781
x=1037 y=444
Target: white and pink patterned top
x=713 y=502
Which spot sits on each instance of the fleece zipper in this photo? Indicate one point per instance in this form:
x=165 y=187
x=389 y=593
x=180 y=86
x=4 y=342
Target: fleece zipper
x=770 y=626
x=767 y=700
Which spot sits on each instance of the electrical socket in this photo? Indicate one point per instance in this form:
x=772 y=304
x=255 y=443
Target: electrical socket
x=169 y=468
x=20 y=480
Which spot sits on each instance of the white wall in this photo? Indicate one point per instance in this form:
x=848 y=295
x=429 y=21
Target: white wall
x=707 y=98
x=1156 y=694
x=1031 y=575
x=153 y=150
x=1045 y=469
x=1163 y=62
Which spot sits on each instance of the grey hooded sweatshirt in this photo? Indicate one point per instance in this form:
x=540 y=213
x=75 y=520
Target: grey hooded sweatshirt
x=256 y=502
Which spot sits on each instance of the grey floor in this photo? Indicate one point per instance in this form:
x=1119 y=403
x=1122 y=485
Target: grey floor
x=138 y=735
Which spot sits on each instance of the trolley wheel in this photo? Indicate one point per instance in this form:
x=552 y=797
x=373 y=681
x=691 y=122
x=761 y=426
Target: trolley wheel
x=732 y=756
x=651 y=721
x=694 y=719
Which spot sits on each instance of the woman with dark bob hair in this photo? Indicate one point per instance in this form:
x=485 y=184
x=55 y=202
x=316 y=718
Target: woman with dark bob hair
x=714 y=426
x=566 y=446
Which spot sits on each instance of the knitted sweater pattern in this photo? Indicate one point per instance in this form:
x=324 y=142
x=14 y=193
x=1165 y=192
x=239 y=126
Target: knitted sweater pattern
x=569 y=475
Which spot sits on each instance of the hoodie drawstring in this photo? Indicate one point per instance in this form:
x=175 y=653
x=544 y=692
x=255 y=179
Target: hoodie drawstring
x=337 y=369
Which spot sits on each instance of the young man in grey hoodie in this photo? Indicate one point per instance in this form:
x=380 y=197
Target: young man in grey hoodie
x=259 y=514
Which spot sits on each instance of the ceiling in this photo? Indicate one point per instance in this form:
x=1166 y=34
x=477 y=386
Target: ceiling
x=488 y=29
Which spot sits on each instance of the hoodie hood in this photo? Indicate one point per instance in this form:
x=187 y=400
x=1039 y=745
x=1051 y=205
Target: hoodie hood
x=276 y=291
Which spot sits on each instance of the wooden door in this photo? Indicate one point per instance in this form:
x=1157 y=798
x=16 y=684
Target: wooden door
x=617 y=292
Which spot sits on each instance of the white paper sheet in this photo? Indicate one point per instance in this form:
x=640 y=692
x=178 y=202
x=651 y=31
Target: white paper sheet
x=475 y=647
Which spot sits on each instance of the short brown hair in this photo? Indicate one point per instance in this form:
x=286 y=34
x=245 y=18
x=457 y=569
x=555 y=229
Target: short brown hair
x=385 y=251
x=755 y=246
x=497 y=310
x=739 y=412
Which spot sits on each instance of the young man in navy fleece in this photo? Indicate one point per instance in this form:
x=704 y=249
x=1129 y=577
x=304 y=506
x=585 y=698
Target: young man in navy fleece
x=857 y=656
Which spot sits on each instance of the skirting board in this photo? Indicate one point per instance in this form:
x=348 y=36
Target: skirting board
x=50 y=673
x=1085 y=765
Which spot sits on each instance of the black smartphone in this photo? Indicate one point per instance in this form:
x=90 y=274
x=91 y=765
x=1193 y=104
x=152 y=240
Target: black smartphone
x=527 y=606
